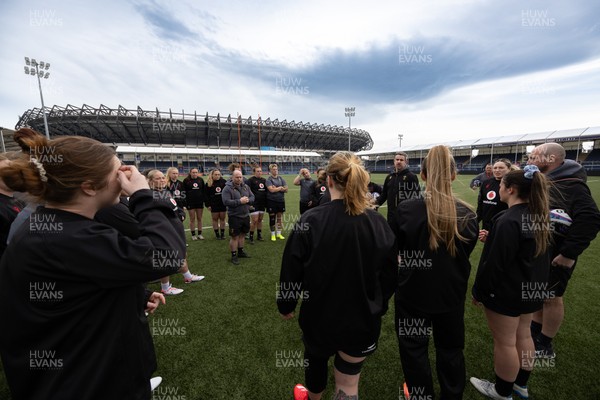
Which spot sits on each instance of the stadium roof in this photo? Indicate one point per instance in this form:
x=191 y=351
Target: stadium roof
x=189 y=150
x=168 y=128
x=566 y=135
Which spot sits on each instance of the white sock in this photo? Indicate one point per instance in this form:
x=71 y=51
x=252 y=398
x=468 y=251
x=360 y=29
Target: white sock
x=272 y=233
x=165 y=286
x=279 y=232
x=187 y=275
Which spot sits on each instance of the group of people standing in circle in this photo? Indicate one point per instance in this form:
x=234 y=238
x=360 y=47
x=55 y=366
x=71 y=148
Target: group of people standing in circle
x=72 y=277
x=238 y=202
x=341 y=263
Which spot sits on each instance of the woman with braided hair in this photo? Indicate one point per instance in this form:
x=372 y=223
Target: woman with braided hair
x=72 y=287
x=512 y=279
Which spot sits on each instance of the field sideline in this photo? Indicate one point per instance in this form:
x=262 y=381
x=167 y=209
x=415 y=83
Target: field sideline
x=223 y=337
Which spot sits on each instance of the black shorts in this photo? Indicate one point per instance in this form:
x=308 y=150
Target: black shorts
x=218 y=208
x=274 y=207
x=258 y=207
x=193 y=206
x=328 y=352
x=502 y=309
x=238 y=226
x=559 y=279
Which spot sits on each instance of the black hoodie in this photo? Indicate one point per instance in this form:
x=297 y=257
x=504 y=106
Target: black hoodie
x=569 y=192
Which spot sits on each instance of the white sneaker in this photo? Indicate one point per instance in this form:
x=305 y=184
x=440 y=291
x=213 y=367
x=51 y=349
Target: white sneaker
x=200 y=237
x=154 y=382
x=171 y=291
x=487 y=389
x=194 y=278
x=194 y=237
x=521 y=391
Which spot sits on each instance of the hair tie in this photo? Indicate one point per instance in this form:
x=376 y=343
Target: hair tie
x=530 y=170
x=40 y=168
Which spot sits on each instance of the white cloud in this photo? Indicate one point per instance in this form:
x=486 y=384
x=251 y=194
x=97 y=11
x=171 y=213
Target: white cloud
x=108 y=53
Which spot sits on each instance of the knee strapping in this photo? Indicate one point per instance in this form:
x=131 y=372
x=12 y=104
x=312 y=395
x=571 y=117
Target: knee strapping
x=346 y=367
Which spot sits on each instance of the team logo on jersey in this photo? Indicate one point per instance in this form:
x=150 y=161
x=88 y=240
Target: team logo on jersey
x=491 y=195
x=195 y=185
x=218 y=190
x=173 y=202
x=323 y=188
x=176 y=192
x=261 y=185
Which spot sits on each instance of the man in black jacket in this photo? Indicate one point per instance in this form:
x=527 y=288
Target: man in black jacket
x=575 y=222
x=398 y=186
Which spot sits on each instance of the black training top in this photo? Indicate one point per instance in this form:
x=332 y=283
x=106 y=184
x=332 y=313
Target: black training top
x=259 y=188
x=71 y=288
x=509 y=273
x=177 y=192
x=212 y=195
x=488 y=202
x=194 y=191
x=319 y=193
x=346 y=267
x=432 y=281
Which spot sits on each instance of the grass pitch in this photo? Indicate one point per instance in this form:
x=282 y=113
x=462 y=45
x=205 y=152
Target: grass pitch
x=223 y=337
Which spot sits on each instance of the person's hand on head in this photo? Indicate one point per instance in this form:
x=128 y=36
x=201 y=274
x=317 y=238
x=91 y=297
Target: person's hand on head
x=131 y=180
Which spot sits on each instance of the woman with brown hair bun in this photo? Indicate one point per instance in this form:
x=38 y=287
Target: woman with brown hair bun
x=341 y=260
x=436 y=235
x=70 y=286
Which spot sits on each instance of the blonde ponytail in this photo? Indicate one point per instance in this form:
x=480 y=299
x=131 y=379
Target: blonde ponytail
x=439 y=170
x=351 y=178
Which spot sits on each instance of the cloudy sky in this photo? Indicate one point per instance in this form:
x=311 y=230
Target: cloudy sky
x=433 y=71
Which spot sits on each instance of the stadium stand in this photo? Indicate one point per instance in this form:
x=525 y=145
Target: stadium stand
x=167 y=128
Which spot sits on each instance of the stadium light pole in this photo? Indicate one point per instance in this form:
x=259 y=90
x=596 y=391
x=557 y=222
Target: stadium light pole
x=40 y=69
x=400 y=136
x=349 y=112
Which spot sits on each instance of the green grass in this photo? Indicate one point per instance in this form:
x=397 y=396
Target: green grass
x=230 y=333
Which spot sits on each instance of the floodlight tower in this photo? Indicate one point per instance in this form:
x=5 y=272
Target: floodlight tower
x=40 y=70
x=349 y=112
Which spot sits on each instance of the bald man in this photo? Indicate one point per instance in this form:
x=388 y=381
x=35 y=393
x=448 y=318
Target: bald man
x=237 y=197
x=570 y=198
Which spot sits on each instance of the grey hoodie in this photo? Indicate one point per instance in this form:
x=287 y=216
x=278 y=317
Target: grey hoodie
x=231 y=198
x=569 y=169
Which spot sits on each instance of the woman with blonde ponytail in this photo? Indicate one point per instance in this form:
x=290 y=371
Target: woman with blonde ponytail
x=341 y=260
x=436 y=235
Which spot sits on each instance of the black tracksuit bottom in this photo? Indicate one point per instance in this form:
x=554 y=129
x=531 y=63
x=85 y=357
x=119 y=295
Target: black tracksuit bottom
x=413 y=329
